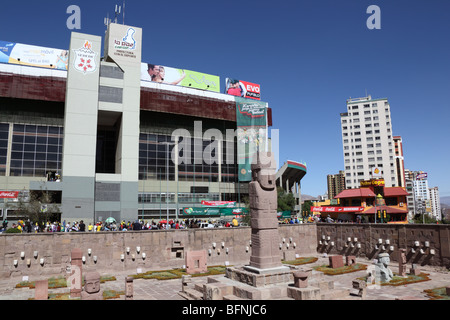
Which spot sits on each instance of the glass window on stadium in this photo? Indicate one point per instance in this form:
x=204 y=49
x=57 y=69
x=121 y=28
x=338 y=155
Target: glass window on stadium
x=229 y=161
x=153 y=152
x=4 y=133
x=36 y=150
x=202 y=165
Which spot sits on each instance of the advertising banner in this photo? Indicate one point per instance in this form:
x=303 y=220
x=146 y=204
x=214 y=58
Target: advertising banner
x=201 y=211
x=376 y=172
x=251 y=119
x=181 y=77
x=23 y=54
x=233 y=211
x=9 y=194
x=372 y=183
x=242 y=89
x=337 y=209
x=217 y=211
x=422 y=176
x=223 y=204
x=123 y=43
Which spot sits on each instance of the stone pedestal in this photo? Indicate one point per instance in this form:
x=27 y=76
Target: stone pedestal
x=402 y=262
x=41 y=290
x=129 y=288
x=76 y=274
x=301 y=278
x=260 y=277
x=350 y=260
x=310 y=293
x=336 y=261
x=361 y=286
x=415 y=271
x=196 y=262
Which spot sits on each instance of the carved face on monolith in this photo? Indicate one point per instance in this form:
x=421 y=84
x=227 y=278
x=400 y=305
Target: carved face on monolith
x=92 y=282
x=264 y=170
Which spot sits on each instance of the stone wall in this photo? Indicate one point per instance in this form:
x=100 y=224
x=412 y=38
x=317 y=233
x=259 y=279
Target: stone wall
x=162 y=249
x=427 y=244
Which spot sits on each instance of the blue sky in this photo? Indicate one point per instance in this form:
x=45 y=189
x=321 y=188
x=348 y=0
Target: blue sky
x=308 y=56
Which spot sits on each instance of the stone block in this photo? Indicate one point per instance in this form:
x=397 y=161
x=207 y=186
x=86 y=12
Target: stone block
x=41 y=290
x=196 y=262
x=289 y=255
x=361 y=286
x=129 y=288
x=350 y=260
x=212 y=292
x=301 y=278
x=310 y=293
x=415 y=271
x=336 y=261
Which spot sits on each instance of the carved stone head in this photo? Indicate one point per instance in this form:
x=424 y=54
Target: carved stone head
x=92 y=282
x=383 y=258
x=264 y=170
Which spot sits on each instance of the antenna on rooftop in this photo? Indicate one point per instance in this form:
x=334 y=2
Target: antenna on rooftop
x=123 y=13
x=117 y=12
x=107 y=21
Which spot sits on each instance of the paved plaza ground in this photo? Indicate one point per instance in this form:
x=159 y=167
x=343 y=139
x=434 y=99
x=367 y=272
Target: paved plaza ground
x=152 y=289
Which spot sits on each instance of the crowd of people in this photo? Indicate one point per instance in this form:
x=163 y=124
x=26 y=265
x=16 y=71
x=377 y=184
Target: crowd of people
x=162 y=224
x=111 y=225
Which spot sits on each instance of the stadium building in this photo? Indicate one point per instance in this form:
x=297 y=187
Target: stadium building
x=115 y=137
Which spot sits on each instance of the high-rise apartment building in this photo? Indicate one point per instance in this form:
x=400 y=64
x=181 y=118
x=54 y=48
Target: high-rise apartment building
x=435 y=203
x=336 y=184
x=426 y=200
x=368 y=142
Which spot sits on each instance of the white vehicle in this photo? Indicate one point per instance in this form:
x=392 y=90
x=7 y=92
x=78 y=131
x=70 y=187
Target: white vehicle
x=206 y=225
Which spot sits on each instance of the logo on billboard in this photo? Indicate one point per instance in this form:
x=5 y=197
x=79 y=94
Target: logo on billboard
x=422 y=176
x=85 y=59
x=376 y=172
x=253 y=110
x=9 y=194
x=127 y=42
x=243 y=89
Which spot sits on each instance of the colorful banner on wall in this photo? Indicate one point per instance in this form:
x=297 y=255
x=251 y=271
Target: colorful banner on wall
x=9 y=194
x=251 y=120
x=372 y=183
x=222 y=204
x=197 y=211
x=180 y=77
x=242 y=89
x=23 y=54
x=337 y=209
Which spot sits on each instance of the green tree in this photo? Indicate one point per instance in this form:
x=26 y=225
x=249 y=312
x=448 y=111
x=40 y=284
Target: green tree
x=419 y=218
x=37 y=207
x=286 y=200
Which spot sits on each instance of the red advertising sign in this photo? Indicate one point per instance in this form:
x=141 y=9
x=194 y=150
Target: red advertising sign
x=243 y=89
x=9 y=194
x=337 y=209
x=251 y=90
x=219 y=203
